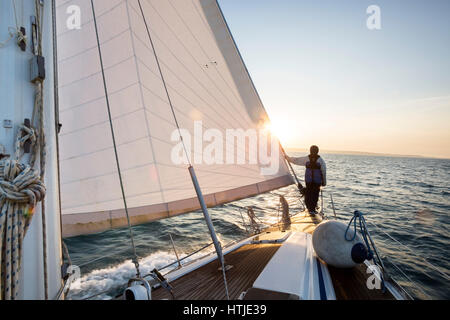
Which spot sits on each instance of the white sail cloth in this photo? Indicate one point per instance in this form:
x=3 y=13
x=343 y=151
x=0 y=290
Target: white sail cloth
x=207 y=82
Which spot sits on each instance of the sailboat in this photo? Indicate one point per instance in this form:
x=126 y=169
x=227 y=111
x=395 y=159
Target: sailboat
x=105 y=107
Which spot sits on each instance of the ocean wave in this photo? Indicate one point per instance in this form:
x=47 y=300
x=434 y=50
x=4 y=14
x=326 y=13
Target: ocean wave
x=408 y=201
x=106 y=283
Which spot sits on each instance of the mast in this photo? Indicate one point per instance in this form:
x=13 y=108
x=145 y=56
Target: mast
x=40 y=272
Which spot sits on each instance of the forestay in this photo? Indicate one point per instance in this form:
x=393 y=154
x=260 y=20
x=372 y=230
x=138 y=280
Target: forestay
x=208 y=84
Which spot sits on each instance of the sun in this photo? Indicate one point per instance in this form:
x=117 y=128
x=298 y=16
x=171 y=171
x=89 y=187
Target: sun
x=279 y=130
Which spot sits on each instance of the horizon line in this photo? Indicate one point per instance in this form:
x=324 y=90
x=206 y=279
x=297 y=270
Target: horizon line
x=369 y=153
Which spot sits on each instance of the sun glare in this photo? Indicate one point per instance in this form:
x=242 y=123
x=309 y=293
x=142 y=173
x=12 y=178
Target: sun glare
x=280 y=130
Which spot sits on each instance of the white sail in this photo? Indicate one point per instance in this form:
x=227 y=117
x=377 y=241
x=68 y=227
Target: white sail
x=208 y=85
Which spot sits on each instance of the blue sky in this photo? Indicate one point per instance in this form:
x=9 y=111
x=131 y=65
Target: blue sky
x=326 y=79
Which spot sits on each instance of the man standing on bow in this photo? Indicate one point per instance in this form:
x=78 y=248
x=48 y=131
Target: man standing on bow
x=315 y=176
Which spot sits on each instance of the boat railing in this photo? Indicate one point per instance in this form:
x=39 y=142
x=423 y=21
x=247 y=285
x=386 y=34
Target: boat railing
x=418 y=285
x=181 y=261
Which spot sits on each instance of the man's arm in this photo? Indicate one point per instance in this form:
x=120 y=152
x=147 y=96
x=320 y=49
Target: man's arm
x=301 y=161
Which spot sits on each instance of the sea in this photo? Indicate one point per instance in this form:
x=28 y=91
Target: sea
x=405 y=201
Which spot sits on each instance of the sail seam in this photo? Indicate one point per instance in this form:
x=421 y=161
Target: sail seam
x=96 y=73
x=139 y=139
x=239 y=101
x=143 y=102
x=135 y=258
x=236 y=94
x=165 y=165
x=90 y=20
x=73 y=219
x=80 y=105
x=93 y=47
x=189 y=71
x=194 y=59
x=194 y=179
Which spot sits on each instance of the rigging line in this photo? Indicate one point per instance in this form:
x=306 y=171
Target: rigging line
x=247 y=167
x=153 y=93
x=195 y=182
x=189 y=118
x=417 y=283
x=141 y=92
x=103 y=257
x=57 y=115
x=135 y=257
x=89 y=20
x=206 y=55
x=183 y=83
x=163 y=100
x=96 y=73
x=137 y=37
x=39 y=14
x=193 y=58
x=164 y=82
x=188 y=87
x=148 y=89
x=193 y=152
x=405 y=246
x=15 y=14
x=299 y=184
x=93 y=47
x=42 y=143
x=163 y=268
x=12 y=31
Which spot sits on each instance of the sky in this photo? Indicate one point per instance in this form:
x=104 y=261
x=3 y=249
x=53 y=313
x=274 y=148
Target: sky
x=326 y=79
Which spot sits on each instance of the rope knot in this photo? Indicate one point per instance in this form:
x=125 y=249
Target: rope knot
x=24 y=135
x=21 y=37
x=20 y=183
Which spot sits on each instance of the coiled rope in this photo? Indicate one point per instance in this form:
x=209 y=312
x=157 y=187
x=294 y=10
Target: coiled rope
x=370 y=245
x=362 y=226
x=21 y=188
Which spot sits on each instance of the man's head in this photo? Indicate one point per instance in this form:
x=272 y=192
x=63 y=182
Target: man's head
x=314 y=150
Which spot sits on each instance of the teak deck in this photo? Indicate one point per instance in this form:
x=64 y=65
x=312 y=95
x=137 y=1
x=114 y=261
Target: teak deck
x=206 y=283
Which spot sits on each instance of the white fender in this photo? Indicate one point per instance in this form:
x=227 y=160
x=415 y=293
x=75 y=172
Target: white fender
x=331 y=246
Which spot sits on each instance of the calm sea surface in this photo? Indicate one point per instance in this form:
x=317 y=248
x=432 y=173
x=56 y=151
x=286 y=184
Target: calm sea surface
x=406 y=202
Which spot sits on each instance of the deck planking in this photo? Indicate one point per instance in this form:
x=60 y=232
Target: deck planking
x=206 y=283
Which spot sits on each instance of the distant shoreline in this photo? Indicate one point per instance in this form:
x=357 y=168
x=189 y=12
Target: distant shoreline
x=362 y=153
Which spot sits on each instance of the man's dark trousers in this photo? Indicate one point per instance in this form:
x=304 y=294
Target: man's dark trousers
x=312 y=196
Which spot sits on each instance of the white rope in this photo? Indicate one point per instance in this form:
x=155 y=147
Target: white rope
x=21 y=188
x=432 y=266
x=14 y=31
x=11 y=32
